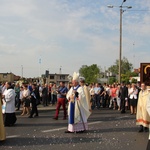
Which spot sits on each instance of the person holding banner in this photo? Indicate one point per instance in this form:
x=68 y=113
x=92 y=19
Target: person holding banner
x=78 y=108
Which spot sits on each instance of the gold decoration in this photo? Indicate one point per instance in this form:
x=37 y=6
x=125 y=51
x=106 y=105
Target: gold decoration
x=145 y=69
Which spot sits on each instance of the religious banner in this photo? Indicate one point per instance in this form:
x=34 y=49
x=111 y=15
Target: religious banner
x=145 y=73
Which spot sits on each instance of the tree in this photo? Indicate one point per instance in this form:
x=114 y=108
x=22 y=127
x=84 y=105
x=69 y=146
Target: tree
x=125 y=66
x=126 y=69
x=134 y=80
x=111 y=80
x=90 y=73
x=126 y=77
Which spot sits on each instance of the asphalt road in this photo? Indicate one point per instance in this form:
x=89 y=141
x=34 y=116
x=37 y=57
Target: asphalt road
x=108 y=130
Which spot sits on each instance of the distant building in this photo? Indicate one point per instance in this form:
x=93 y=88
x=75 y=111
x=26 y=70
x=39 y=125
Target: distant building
x=56 y=78
x=8 y=77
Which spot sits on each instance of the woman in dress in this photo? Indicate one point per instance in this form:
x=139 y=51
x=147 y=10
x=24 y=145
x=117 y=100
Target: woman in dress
x=26 y=100
x=133 y=92
x=113 y=96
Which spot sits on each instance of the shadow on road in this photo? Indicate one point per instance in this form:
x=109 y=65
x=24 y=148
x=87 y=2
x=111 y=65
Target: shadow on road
x=47 y=141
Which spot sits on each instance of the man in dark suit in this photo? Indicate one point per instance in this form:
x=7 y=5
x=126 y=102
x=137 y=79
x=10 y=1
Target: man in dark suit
x=34 y=98
x=123 y=96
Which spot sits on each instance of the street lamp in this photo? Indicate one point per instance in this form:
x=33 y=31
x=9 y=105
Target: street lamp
x=120 y=46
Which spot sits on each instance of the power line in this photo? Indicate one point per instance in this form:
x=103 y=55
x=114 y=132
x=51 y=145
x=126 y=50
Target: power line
x=138 y=10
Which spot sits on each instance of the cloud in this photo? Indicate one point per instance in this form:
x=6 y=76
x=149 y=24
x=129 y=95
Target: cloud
x=69 y=33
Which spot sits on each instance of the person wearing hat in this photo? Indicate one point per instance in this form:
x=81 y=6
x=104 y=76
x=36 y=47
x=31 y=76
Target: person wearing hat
x=2 y=129
x=142 y=116
x=78 y=108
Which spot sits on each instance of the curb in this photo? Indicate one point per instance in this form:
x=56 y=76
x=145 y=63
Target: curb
x=40 y=109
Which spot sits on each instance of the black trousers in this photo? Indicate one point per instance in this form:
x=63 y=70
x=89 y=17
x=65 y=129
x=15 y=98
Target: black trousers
x=10 y=119
x=34 y=108
x=18 y=104
x=54 y=98
x=45 y=100
x=123 y=104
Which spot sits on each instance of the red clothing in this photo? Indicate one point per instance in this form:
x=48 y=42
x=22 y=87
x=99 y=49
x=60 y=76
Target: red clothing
x=49 y=89
x=61 y=101
x=113 y=92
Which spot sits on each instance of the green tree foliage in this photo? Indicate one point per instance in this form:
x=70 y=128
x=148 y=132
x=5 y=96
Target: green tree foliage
x=111 y=80
x=125 y=66
x=134 y=80
x=126 y=77
x=126 y=69
x=91 y=73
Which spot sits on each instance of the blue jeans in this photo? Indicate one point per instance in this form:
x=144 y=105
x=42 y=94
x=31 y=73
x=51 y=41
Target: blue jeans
x=97 y=100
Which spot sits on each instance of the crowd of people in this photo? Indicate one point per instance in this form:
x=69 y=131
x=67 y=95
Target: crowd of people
x=119 y=97
x=115 y=96
x=79 y=98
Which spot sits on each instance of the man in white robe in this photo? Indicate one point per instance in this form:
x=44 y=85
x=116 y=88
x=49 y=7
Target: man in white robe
x=148 y=110
x=142 y=116
x=78 y=108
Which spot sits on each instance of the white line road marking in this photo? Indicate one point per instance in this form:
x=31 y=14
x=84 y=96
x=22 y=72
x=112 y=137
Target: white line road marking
x=52 y=130
x=12 y=136
x=91 y=123
x=122 y=117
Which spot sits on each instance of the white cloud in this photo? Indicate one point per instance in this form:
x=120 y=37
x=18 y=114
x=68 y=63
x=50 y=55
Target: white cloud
x=69 y=34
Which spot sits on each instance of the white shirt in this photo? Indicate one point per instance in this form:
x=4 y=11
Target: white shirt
x=92 y=92
x=133 y=93
x=3 y=89
x=26 y=93
x=21 y=95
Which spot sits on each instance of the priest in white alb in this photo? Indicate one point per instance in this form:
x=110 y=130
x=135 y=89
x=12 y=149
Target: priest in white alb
x=78 y=108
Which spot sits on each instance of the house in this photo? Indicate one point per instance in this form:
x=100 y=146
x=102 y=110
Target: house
x=57 y=78
x=8 y=77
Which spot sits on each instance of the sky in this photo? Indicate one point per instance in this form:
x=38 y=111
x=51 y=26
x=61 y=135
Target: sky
x=39 y=35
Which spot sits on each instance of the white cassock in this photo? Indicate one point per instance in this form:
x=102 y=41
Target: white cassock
x=10 y=100
x=78 y=117
x=148 y=110
x=10 y=116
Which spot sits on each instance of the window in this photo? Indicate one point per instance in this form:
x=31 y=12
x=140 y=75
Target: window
x=4 y=75
x=62 y=77
x=51 y=77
